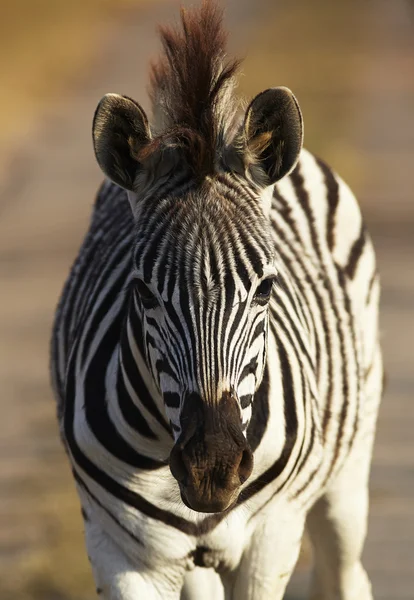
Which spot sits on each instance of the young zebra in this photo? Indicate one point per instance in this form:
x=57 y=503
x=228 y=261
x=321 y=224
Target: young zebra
x=216 y=345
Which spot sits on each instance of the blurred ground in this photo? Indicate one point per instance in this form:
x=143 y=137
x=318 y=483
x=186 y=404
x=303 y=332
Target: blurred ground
x=46 y=46
x=351 y=64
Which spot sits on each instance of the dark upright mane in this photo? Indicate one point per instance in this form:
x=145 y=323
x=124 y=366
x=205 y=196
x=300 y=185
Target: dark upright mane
x=191 y=88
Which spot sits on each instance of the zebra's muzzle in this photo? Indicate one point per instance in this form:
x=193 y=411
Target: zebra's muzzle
x=211 y=459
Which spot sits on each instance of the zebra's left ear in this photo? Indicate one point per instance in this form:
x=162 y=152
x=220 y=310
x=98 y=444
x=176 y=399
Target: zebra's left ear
x=272 y=135
x=120 y=130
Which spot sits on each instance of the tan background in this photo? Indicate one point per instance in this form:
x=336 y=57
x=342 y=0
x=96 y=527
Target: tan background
x=351 y=64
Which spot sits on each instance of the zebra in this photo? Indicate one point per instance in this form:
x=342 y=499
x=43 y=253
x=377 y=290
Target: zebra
x=215 y=352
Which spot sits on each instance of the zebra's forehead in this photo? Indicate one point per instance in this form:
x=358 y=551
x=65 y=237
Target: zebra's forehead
x=215 y=232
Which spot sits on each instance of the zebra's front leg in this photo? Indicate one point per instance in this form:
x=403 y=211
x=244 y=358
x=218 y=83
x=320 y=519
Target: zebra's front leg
x=337 y=527
x=269 y=559
x=338 y=522
x=116 y=578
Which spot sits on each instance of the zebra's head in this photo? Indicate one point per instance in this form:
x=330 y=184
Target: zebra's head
x=200 y=183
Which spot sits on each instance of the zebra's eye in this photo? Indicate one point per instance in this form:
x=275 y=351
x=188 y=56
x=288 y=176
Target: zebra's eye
x=263 y=291
x=147 y=297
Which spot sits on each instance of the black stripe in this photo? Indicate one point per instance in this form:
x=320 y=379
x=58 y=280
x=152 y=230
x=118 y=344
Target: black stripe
x=130 y=411
x=137 y=381
x=304 y=460
x=246 y=213
x=303 y=197
x=344 y=411
x=356 y=252
x=245 y=401
x=301 y=458
x=114 y=232
x=248 y=369
x=291 y=431
x=281 y=206
x=103 y=479
x=85 y=488
x=298 y=357
x=135 y=321
x=242 y=272
x=86 y=269
x=296 y=337
x=321 y=306
x=372 y=281
x=101 y=310
x=260 y=413
x=236 y=322
x=148 y=249
x=333 y=200
x=290 y=291
x=96 y=411
x=229 y=296
x=252 y=254
x=172 y=399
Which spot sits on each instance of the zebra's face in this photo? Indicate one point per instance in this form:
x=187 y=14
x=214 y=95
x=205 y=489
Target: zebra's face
x=203 y=279
x=203 y=258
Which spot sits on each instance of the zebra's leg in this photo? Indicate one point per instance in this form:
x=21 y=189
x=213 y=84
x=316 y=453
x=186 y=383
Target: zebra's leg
x=202 y=584
x=268 y=561
x=337 y=526
x=116 y=578
x=337 y=523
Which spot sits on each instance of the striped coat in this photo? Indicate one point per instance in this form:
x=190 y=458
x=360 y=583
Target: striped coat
x=308 y=423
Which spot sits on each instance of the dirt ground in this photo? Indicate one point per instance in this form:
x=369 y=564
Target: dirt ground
x=351 y=65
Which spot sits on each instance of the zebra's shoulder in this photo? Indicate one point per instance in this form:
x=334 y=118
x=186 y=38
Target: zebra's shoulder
x=331 y=203
x=338 y=217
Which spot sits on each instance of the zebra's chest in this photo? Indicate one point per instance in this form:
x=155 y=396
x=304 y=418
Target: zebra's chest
x=145 y=516
x=220 y=557
x=171 y=533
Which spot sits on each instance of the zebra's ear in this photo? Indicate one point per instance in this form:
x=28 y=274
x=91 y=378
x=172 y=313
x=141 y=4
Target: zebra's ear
x=272 y=135
x=120 y=130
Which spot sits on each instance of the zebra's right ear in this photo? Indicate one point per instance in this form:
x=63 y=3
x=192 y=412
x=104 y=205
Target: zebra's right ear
x=272 y=135
x=120 y=130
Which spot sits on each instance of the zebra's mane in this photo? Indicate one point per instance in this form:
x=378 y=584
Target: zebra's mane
x=191 y=89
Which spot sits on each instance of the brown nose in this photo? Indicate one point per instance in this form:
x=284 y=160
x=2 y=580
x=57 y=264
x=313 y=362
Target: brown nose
x=211 y=459
x=210 y=483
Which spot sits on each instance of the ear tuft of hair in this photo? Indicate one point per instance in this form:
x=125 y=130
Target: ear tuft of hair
x=191 y=88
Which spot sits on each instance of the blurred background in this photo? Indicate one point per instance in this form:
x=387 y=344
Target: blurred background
x=351 y=65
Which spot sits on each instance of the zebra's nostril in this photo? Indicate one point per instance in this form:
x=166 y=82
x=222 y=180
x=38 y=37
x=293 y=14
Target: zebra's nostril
x=177 y=466
x=246 y=465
